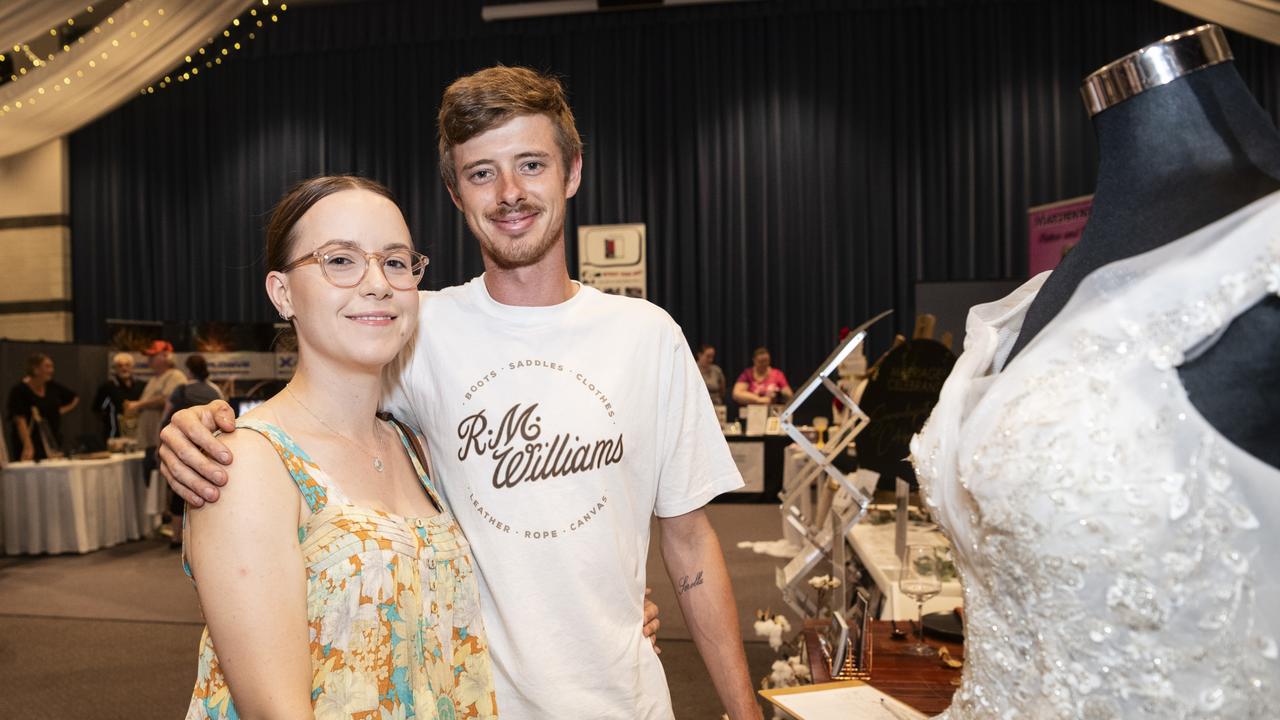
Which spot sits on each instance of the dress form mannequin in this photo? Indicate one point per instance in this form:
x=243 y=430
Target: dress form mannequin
x=1182 y=143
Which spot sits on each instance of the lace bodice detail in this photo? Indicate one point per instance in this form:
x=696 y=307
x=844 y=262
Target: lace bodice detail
x=1117 y=553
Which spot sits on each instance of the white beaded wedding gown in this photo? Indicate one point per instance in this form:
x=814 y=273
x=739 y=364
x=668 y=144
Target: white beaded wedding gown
x=1120 y=558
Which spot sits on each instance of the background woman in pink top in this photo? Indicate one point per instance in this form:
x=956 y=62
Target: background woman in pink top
x=761 y=384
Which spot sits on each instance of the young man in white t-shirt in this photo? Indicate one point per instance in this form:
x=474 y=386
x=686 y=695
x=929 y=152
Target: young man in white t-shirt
x=559 y=420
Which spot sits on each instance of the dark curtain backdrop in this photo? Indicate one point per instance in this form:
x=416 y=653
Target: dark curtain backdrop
x=800 y=164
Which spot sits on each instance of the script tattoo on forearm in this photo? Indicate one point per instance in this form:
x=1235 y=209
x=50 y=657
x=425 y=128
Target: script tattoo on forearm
x=686 y=586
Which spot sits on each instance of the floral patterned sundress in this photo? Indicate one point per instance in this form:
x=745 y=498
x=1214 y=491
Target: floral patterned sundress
x=392 y=604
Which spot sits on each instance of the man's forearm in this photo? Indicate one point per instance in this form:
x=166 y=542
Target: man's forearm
x=155 y=403
x=696 y=566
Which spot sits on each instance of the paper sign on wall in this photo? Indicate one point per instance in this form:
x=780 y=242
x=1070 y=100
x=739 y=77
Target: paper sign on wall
x=611 y=258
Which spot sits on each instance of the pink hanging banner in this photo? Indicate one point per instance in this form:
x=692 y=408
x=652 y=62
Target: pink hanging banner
x=1052 y=230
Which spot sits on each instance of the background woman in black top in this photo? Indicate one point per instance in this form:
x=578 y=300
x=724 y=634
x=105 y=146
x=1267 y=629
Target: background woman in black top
x=36 y=407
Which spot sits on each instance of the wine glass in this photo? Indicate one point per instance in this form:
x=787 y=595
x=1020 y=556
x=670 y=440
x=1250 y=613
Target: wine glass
x=820 y=424
x=920 y=581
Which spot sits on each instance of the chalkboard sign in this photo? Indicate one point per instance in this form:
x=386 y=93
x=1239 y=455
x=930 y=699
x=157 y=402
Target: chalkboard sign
x=899 y=397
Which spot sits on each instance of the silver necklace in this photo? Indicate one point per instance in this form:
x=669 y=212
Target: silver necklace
x=377 y=461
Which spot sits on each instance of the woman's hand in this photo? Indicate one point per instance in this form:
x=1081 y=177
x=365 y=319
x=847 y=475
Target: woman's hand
x=651 y=622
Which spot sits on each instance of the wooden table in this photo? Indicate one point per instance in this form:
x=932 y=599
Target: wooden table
x=921 y=682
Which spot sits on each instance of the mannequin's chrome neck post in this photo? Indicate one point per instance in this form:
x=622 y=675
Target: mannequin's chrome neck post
x=1159 y=63
x=1174 y=116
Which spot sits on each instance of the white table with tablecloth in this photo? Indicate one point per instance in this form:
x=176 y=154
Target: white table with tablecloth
x=62 y=506
x=874 y=545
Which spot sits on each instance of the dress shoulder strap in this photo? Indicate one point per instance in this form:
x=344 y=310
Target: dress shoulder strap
x=412 y=442
x=301 y=467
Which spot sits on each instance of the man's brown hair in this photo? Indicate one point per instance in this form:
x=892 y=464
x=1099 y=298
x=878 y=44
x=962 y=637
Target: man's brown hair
x=479 y=102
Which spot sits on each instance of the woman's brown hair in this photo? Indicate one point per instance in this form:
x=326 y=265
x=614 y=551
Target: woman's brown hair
x=34 y=361
x=301 y=198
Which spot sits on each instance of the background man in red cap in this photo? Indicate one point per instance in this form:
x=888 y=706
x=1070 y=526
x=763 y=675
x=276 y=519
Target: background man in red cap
x=165 y=379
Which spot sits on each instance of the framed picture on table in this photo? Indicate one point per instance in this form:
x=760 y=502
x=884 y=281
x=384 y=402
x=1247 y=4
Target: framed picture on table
x=859 y=615
x=839 y=643
x=848 y=632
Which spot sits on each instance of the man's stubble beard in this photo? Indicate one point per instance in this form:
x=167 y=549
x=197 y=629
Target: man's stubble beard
x=522 y=252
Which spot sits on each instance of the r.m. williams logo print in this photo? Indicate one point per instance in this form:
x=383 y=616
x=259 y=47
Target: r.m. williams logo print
x=541 y=446
x=520 y=452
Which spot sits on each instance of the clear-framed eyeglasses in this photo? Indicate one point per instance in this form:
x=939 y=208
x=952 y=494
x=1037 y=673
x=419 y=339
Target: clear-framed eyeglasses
x=345 y=266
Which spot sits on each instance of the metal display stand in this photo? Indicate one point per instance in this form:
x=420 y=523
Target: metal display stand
x=823 y=543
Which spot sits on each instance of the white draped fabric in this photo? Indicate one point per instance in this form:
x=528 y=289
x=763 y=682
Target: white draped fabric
x=1259 y=18
x=147 y=39
x=23 y=20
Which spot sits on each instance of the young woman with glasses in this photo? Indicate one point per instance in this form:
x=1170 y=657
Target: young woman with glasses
x=334 y=583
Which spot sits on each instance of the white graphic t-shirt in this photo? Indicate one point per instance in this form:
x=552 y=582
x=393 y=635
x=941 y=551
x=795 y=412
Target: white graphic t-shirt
x=556 y=433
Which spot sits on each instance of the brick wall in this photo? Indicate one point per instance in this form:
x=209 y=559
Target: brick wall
x=35 y=245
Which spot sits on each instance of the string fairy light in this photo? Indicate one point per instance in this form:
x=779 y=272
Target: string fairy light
x=205 y=57
x=217 y=49
x=39 y=65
